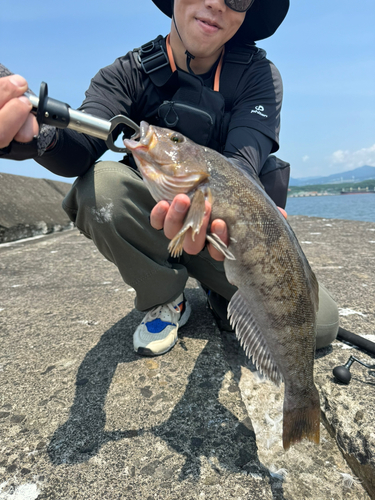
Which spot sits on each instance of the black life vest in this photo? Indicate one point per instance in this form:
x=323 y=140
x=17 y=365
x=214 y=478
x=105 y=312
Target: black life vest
x=195 y=110
x=203 y=114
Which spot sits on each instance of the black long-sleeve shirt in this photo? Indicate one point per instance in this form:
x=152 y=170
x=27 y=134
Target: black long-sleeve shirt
x=124 y=88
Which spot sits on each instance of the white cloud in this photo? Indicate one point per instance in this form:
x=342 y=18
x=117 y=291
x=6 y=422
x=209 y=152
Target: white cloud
x=354 y=159
x=305 y=158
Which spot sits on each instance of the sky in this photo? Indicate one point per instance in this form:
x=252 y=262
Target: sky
x=325 y=51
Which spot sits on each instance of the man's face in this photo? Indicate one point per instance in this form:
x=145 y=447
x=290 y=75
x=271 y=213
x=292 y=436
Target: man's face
x=206 y=25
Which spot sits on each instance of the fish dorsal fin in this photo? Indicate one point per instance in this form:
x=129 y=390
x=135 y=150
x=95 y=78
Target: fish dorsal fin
x=251 y=338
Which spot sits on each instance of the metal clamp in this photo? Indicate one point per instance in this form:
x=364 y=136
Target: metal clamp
x=115 y=121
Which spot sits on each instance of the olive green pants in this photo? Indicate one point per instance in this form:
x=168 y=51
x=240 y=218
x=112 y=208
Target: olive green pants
x=111 y=205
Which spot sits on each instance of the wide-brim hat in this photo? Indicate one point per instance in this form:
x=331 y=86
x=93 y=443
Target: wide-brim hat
x=261 y=21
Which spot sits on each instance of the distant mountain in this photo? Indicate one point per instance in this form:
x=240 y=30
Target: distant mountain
x=356 y=175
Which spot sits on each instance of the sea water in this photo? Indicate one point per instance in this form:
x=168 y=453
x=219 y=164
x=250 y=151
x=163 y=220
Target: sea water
x=352 y=206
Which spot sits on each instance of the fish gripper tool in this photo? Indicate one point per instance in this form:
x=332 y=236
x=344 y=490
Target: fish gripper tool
x=60 y=115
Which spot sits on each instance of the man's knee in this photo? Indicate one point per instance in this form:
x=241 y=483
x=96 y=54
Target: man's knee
x=99 y=193
x=100 y=183
x=109 y=201
x=328 y=319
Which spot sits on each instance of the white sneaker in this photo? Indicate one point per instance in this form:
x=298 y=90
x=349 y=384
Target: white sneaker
x=157 y=333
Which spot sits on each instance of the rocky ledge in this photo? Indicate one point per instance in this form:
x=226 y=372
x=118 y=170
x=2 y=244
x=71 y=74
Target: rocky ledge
x=31 y=207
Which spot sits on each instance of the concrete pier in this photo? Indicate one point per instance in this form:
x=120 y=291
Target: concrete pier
x=84 y=417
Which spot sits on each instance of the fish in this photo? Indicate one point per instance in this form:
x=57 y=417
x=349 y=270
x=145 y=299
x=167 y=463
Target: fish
x=274 y=308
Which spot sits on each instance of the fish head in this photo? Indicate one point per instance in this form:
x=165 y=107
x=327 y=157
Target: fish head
x=169 y=162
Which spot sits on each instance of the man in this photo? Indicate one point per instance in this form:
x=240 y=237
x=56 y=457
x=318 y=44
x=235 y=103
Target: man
x=212 y=84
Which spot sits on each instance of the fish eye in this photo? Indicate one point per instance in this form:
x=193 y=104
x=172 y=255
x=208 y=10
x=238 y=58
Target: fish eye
x=177 y=138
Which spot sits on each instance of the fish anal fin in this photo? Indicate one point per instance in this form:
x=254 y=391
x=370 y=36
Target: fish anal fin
x=301 y=423
x=249 y=334
x=193 y=220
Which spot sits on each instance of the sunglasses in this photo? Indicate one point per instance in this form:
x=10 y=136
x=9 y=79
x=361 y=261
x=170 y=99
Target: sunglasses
x=239 y=5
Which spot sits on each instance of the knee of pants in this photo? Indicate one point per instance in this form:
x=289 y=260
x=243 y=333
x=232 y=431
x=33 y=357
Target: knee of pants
x=108 y=193
x=327 y=320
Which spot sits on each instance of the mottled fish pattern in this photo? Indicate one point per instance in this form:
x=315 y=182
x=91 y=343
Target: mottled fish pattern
x=274 y=309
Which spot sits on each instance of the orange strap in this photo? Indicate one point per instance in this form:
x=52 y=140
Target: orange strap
x=170 y=55
x=174 y=68
x=218 y=71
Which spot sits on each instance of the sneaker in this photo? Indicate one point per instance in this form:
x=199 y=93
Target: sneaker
x=157 y=333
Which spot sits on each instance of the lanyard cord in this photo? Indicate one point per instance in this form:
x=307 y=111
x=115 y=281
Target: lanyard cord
x=174 y=68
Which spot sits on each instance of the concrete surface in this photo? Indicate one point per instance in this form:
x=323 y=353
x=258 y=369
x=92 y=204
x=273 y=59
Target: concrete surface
x=83 y=417
x=342 y=253
x=29 y=207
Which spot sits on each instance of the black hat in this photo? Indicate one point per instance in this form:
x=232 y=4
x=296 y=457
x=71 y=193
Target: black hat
x=261 y=21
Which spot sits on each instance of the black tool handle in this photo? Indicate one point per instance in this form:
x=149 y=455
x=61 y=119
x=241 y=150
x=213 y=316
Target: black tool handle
x=356 y=340
x=61 y=115
x=50 y=111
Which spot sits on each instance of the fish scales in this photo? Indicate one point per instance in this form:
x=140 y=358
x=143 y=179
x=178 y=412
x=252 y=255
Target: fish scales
x=274 y=309
x=267 y=264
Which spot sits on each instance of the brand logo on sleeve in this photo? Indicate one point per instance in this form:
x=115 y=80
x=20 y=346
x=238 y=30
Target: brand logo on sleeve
x=259 y=111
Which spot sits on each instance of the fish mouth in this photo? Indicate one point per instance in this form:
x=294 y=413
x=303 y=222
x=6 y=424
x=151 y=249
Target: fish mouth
x=146 y=139
x=146 y=132
x=161 y=170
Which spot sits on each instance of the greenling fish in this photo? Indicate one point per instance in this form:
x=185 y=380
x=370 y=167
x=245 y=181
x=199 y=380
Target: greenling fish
x=274 y=309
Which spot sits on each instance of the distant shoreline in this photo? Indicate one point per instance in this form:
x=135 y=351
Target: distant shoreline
x=364 y=187
x=357 y=192
x=311 y=194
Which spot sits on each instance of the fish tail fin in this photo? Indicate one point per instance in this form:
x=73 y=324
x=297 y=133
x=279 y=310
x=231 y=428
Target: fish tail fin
x=301 y=422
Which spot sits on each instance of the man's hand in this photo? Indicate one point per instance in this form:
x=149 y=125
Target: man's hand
x=16 y=122
x=171 y=218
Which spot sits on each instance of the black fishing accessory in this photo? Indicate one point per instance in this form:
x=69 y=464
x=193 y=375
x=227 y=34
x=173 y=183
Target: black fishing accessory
x=342 y=373
x=356 y=340
x=60 y=115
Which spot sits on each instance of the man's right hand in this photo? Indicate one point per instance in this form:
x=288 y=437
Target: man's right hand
x=171 y=218
x=16 y=121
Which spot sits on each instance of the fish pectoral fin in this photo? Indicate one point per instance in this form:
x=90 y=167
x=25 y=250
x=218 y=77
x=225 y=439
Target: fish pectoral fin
x=193 y=220
x=248 y=332
x=217 y=243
